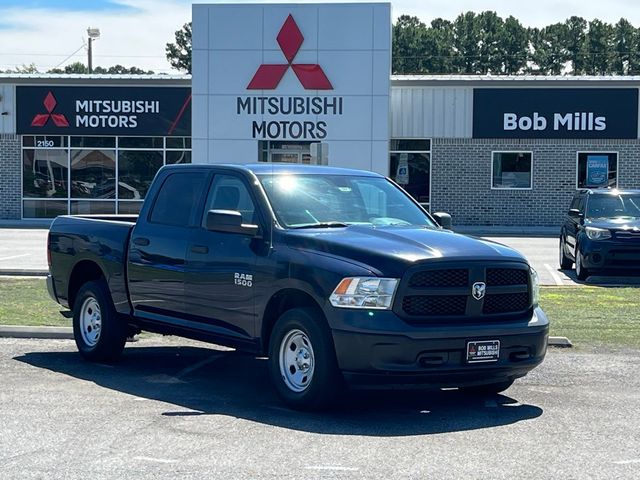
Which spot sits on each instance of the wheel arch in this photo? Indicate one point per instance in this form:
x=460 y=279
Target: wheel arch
x=83 y=272
x=280 y=302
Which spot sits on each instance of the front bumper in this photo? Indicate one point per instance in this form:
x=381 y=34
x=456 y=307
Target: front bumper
x=437 y=355
x=610 y=254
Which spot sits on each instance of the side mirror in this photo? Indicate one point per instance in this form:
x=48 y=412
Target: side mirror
x=229 y=221
x=575 y=213
x=443 y=219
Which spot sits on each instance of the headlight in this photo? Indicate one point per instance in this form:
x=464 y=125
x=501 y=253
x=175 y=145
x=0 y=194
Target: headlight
x=364 y=292
x=597 y=233
x=535 y=287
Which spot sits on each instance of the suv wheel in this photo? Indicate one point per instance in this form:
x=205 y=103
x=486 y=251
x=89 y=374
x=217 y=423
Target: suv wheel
x=302 y=360
x=581 y=272
x=99 y=333
x=565 y=262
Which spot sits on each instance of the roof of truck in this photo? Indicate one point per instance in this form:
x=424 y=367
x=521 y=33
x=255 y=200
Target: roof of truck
x=284 y=168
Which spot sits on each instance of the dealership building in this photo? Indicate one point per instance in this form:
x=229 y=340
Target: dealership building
x=311 y=84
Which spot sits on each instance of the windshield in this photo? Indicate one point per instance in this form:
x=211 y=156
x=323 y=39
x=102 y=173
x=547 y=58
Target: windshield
x=306 y=201
x=612 y=206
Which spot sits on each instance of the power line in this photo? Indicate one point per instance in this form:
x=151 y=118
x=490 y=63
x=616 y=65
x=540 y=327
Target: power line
x=63 y=61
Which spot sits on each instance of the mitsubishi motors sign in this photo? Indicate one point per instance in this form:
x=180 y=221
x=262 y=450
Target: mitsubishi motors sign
x=300 y=73
x=161 y=111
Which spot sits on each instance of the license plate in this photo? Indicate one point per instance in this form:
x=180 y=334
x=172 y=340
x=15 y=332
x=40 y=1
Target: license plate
x=483 y=351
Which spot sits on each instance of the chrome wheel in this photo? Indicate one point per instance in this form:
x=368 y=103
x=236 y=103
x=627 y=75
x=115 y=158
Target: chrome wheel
x=296 y=360
x=90 y=322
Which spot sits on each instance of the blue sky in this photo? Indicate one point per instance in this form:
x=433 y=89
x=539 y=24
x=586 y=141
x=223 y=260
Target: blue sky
x=134 y=32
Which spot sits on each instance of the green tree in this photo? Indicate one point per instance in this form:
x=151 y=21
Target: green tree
x=549 y=53
x=490 y=35
x=179 y=53
x=514 y=45
x=626 y=59
x=576 y=44
x=75 y=67
x=600 y=48
x=466 y=43
x=408 y=52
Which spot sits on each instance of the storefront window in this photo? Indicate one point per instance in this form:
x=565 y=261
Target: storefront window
x=141 y=142
x=82 y=172
x=410 y=167
x=136 y=172
x=93 y=174
x=597 y=169
x=44 y=208
x=512 y=170
x=178 y=157
x=44 y=173
x=92 y=207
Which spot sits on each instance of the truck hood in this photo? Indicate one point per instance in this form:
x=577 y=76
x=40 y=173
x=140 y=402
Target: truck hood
x=391 y=250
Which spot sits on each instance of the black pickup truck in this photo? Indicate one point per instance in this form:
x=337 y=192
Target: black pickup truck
x=336 y=275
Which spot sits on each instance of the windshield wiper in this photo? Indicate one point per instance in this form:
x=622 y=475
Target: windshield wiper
x=322 y=225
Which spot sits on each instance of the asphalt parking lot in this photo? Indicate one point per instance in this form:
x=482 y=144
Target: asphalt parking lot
x=179 y=409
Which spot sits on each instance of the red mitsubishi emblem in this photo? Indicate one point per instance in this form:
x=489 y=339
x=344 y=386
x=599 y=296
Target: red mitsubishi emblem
x=41 y=119
x=311 y=75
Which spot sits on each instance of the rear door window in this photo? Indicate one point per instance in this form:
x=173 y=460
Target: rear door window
x=178 y=199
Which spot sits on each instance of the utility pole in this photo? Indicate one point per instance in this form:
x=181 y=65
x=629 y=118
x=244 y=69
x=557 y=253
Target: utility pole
x=94 y=34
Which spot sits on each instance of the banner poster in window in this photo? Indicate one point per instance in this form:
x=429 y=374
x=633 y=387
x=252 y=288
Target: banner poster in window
x=597 y=170
x=402 y=173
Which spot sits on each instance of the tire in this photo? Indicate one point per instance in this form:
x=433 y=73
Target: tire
x=490 y=388
x=565 y=262
x=581 y=272
x=302 y=360
x=93 y=308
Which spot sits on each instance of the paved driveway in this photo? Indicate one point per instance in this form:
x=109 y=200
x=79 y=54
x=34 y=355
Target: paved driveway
x=23 y=249
x=179 y=409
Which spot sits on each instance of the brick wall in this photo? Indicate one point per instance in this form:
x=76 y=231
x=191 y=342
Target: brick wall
x=461 y=179
x=10 y=188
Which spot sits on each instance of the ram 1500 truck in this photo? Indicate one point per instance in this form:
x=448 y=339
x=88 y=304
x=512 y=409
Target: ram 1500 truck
x=336 y=275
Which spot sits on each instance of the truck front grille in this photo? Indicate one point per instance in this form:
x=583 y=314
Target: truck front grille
x=445 y=295
x=505 y=303
x=424 y=305
x=458 y=277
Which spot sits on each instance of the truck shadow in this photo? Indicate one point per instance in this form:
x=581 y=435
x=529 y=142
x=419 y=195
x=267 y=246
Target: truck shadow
x=201 y=381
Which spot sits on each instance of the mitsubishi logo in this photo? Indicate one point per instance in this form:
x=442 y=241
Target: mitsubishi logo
x=41 y=119
x=311 y=75
x=478 y=290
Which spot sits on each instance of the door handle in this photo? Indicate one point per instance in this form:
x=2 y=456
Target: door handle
x=143 y=242
x=199 y=249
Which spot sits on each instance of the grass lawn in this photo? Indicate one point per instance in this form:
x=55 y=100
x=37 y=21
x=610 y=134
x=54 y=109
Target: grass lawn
x=26 y=302
x=594 y=315
x=588 y=316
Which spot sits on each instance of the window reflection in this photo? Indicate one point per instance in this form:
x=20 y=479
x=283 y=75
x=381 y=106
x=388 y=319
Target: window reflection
x=93 y=173
x=136 y=172
x=45 y=173
x=178 y=157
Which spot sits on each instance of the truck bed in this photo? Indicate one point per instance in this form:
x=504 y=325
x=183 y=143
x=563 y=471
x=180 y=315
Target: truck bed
x=78 y=242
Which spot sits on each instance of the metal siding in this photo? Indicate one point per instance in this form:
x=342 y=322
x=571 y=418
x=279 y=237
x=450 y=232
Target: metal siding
x=428 y=112
x=7 y=104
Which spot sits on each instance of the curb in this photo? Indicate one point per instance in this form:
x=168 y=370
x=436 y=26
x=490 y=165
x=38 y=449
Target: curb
x=562 y=342
x=23 y=273
x=15 y=331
